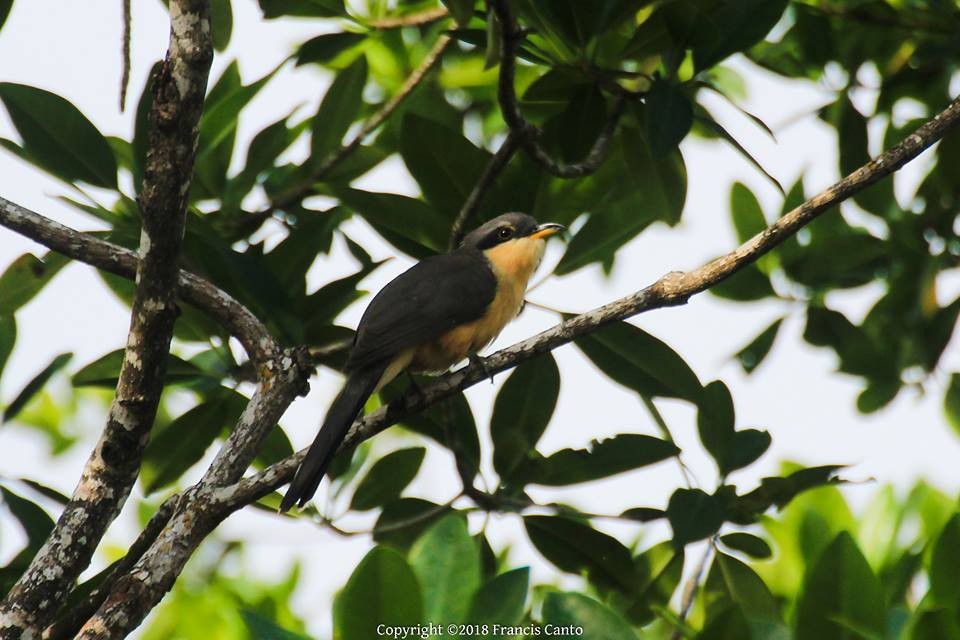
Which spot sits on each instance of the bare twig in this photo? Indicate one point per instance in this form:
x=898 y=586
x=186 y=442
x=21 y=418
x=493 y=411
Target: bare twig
x=670 y=290
x=527 y=132
x=411 y=20
x=125 y=55
x=112 y=468
x=497 y=164
x=690 y=590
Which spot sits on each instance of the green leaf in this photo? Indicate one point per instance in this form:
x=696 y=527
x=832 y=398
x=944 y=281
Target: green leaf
x=105 y=370
x=35 y=522
x=703 y=116
x=5 y=6
x=522 y=410
x=25 y=277
x=577 y=127
x=842 y=598
x=576 y=548
x=221 y=23
x=302 y=8
x=746 y=285
x=951 y=402
x=447 y=563
x=387 y=479
x=852 y=135
x=735 y=26
x=501 y=601
x=461 y=10
x=326 y=47
x=35 y=385
x=747 y=543
x=263 y=629
x=733 y=582
x=639 y=361
x=716 y=419
x=695 y=514
x=412 y=226
x=339 y=108
x=382 y=590
x=604 y=458
x=443 y=162
x=8 y=338
x=58 y=138
x=182 y=443
x=565 y=610
x=669 y=117
x=658 y=571
x=935 y=624
x=753 y=354
x=945 y=565
x=402 y=521
x=746 y=212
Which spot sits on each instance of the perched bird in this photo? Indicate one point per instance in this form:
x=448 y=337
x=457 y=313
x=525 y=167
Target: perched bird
x=430 y=317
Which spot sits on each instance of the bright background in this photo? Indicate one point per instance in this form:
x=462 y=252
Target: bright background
x=73 y=48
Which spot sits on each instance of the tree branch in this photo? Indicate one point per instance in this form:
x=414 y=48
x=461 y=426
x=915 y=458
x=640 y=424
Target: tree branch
x=497 y=164
x=672 y=289
x=113 y=466
x=219 y=305
x=411 y=20
x=527 y=132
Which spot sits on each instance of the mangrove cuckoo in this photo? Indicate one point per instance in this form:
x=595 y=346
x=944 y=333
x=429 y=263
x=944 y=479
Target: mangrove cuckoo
x=430 y=317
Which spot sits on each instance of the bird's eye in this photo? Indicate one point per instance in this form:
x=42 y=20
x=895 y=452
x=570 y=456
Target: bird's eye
x=504 y=233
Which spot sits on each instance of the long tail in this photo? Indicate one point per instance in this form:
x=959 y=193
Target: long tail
x=340 y=416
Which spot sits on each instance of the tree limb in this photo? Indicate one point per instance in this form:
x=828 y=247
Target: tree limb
x=112 y=468
x=411 y=20
x=672 y=289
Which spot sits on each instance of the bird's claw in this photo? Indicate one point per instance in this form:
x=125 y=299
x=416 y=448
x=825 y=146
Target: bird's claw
x=477 y=361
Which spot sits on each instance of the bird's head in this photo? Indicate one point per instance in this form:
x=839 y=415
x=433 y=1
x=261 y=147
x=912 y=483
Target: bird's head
x=513 y=242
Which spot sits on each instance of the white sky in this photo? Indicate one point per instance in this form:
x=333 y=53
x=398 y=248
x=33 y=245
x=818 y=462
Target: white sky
x=72 y=49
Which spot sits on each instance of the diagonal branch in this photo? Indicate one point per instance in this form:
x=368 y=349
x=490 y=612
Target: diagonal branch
x=527 y=132
x=672 y=289
x=113 y=466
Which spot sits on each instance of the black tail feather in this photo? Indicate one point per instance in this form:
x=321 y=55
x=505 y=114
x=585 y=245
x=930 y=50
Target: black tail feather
x=340 y=416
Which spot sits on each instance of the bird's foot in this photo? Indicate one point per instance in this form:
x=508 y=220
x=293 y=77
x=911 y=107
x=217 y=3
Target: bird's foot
x=415 y=386
x=482 y=364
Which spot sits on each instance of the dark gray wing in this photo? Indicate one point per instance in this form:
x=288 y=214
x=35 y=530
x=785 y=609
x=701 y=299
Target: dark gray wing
x=422 y=303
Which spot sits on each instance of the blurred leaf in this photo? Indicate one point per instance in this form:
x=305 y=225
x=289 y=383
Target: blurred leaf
x=747 y=543
x=501 y=600
x=945 y=565
x=382 y=590
x=8 y=338
x=753 y=354
x=842 y=598
x=658 y=571
x=603 y=458
x=935 y=624
x=703 y=116
x=442 y=161
x=522 y=410
x=338 y=109
x=105 y=370
x=576 y=128
x=35 y=522
x=387 y=479
x=447 y=563
x=326 y=47
x=637 y=360
x=733 y=582
x=34 y=385
x=302 y=8
x=735 y=26
x=461 y=10
x=669 y=117
x=951 y=402
x=263 y=629
x=183 y=442
x=566 y=610
x=746 y=285
x=402 y=521
x=853 y=146
x=25 y=277
x=576 y=548
x=59 y=138
x=47 y=492
x=695 y=515
x=778 y=491
x=221 y=23
x=5 y=6
x=746 y=212
x=410 y=225
x=450 y=419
